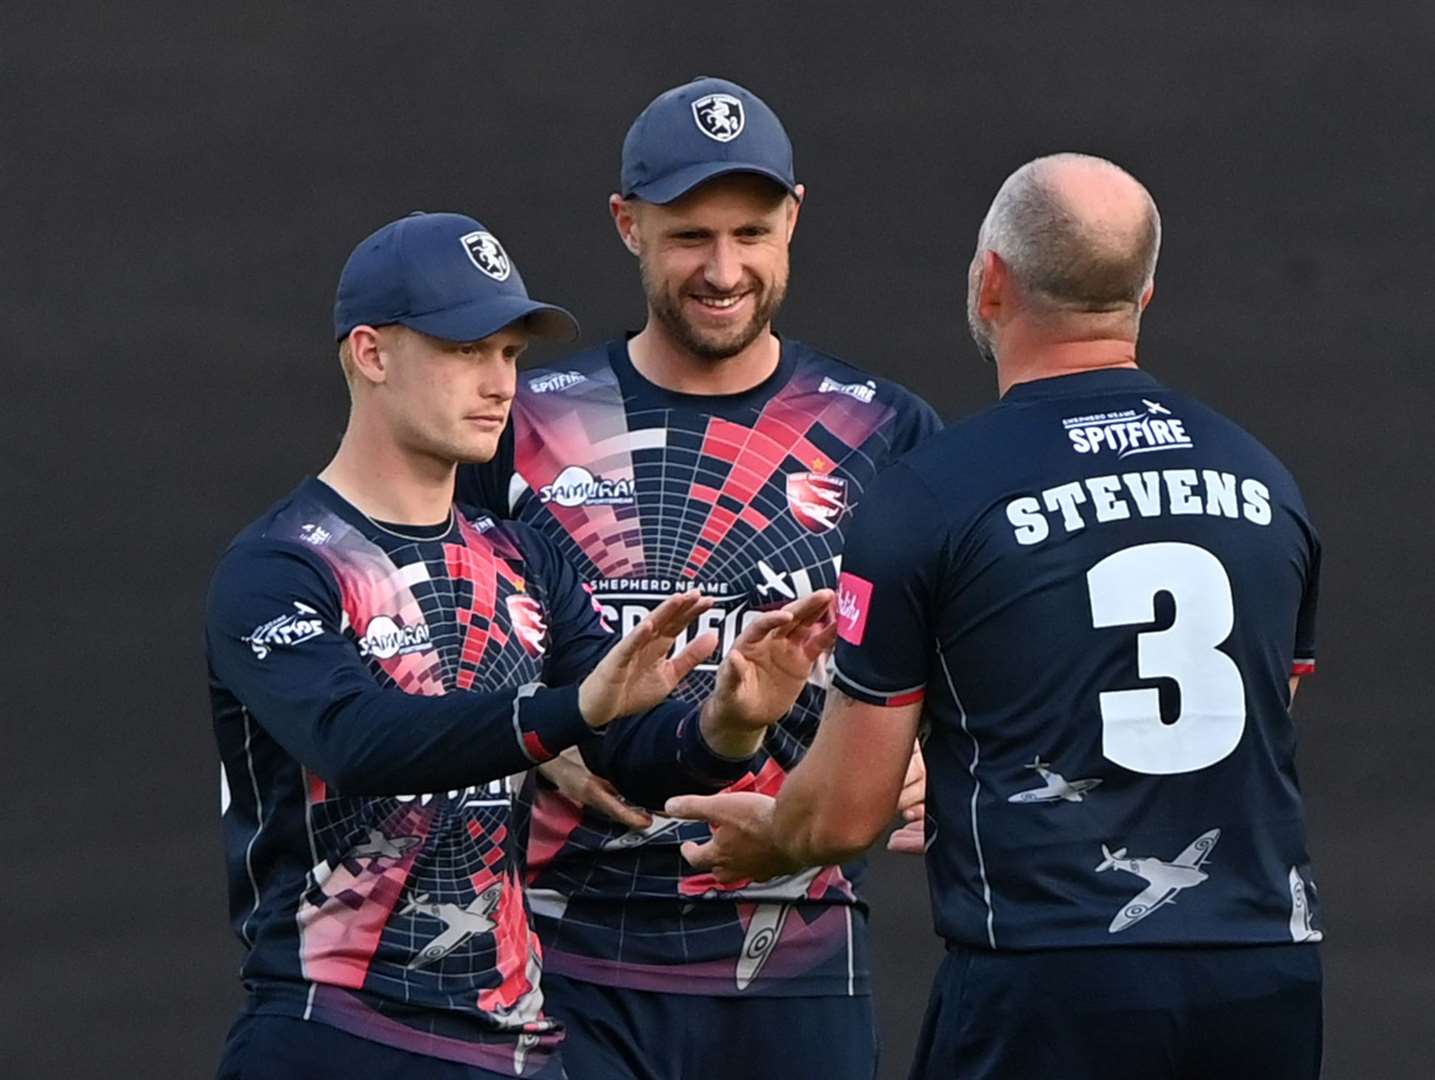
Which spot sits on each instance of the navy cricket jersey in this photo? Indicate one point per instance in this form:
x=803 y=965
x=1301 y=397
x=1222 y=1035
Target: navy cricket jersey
x=1099 y=589
x=373 y=688
x=747 y=497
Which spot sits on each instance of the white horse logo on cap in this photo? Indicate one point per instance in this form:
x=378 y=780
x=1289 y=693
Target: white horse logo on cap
x=486 y=253
x=719 y=116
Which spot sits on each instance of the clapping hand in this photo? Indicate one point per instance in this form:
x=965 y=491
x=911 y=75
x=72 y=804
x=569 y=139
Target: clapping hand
x=638 y=673
x=761 y=677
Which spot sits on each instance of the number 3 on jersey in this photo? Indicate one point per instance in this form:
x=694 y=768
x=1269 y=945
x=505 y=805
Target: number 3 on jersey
x=1212 y=716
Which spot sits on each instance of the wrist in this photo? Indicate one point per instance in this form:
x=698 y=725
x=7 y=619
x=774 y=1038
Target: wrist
x=591 y=706
x=725 y=739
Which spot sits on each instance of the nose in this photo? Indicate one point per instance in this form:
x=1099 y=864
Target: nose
x=723 y=270
x=502 y=383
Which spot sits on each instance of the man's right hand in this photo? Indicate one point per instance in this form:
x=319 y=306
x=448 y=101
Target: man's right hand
x=572 y=778
x=637 y=673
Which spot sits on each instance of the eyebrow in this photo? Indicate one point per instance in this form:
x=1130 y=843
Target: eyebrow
x=703 y=230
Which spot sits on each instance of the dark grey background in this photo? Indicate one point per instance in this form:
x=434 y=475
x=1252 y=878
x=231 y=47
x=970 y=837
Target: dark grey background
x=181 y=186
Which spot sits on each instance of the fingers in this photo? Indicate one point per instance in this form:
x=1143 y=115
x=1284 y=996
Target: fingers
x=674 y=613
x=914 y=784
x=700 y=856
x=912 y=794
x=698 y=650
x=766 y=623
x=601 y=796
x=823 y=638
x=693 y=807
x=908 y=840
x=811 y=609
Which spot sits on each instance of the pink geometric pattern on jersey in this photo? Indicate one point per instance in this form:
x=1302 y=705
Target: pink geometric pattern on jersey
x=553 y=820
x=622 y=907
x=473 y=563
x=553 y=436
x=413 y=899
x=757 y=453
x=520 y=958
x=370 y=586
x=338 y=937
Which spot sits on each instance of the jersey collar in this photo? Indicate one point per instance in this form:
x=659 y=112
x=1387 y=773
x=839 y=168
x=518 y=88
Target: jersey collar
x=1081 y=384
x=637 y=387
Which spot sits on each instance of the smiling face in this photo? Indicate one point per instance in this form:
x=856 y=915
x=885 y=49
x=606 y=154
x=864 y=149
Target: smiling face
x=715 y=262
x=448 y=400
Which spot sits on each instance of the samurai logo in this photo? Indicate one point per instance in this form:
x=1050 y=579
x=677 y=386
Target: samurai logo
x=526 y=616
x=816 y=499
x=719 y=116
x=486 y=253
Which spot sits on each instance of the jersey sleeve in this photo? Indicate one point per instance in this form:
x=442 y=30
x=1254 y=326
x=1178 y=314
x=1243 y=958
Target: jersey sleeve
x=649 y=757
x=1304 y=662
x=276 y=641
x=916 y=422
x=890 y=568
x=485 y=484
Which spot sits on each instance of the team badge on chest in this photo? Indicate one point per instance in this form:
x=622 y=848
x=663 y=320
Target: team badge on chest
x=816 y=500
x=526 y=615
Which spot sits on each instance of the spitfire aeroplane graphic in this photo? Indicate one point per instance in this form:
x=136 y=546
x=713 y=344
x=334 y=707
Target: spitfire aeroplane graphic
x=1055 y=786
x=1165 y=879
x=379 y=846
x=461 y=923
x=661 y=826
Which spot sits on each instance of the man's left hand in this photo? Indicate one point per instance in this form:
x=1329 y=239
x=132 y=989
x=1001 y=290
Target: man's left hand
x=770 y=662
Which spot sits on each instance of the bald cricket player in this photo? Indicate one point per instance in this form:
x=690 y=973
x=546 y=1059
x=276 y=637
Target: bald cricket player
x=1094 y=598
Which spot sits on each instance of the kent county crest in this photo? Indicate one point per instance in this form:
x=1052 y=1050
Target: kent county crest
x=816 y=500
x=719 y=116
x=526 y=616
x=486 y=253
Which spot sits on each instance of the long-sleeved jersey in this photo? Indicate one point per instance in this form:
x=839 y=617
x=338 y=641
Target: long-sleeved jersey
x=373 y=688
x=746 y=496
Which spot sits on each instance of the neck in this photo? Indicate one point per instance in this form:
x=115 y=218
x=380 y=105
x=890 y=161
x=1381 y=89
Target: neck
x=388 y=481
x=1026 y=361
x=665 y=362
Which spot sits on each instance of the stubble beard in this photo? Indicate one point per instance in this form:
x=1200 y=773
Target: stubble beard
x=710 y=346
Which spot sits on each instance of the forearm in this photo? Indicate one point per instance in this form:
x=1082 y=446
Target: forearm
x=844 y=793
x=387 y=742
x=661 y=753
x=809 y=824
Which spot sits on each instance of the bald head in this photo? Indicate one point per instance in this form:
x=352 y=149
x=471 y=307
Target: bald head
x=1077 y=233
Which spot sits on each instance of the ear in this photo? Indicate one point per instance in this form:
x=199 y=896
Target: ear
x=1146 y=296
x=366 y=349
x=993 y=285
x=625 y=219
x=794 y=208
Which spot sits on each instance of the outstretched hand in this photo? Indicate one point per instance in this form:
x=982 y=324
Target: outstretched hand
x=742 y=847
x=770 y=662
x=637 y=673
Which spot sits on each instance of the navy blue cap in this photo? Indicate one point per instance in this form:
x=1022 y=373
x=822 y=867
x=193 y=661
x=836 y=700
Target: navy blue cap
x=702 y=129
x=444 y=275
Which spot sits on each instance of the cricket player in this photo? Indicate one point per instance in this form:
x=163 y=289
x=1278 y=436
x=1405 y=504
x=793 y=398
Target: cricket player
x=381 y=661
x=703 y=451
x=1094 y=598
